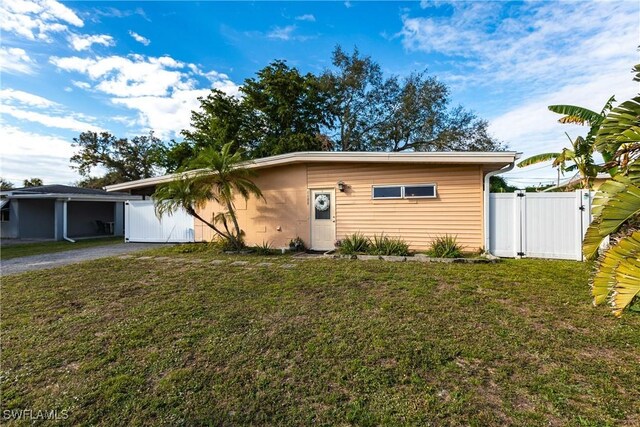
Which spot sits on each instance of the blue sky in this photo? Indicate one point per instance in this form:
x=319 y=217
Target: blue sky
x=127 y=67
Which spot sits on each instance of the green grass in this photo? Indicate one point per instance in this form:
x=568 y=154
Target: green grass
x=327 y=342
x=38 y=248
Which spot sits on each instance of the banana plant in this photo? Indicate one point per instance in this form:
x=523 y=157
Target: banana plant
x=581 y=151
x=616 y=210
x=580 y=155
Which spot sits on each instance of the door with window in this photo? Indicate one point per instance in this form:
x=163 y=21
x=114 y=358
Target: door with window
x=323 y=220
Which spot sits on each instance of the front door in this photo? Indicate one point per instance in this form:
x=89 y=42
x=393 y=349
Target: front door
x=323 y=220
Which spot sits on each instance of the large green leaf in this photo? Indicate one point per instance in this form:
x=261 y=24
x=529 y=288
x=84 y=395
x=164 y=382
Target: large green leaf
x=618 y=274
x=576 y=115
x=545 y=157
x=621 y=126
x=613 y=262
x=616 y=201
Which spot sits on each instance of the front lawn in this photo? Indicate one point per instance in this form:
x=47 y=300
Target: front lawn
x=329 y=342
x=38 y=248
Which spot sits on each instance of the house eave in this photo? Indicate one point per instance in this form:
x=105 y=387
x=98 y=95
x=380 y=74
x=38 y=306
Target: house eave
x=489 y=160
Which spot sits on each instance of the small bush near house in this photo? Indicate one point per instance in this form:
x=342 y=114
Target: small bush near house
x=355 y=243
x=297 y=245
x=446 y=246
x=264 y=249
x=385 y=245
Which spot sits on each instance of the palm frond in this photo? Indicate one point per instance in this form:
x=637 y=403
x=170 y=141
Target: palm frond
x=576 y=115
x=618 y=274
x=539 y=158
x=621 y=126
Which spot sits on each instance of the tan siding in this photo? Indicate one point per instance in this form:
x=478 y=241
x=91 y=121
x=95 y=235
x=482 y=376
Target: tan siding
x=457 y=209
x=285 y=206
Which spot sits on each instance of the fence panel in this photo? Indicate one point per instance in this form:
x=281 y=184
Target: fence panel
x=142 y=224
x=539 y=225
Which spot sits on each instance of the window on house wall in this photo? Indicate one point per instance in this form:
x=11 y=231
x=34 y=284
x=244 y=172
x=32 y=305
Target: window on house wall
x=388 y=192
x=413 y=191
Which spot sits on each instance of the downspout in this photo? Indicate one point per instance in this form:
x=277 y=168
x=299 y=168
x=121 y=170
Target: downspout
x=64 y=222
x=487 y=191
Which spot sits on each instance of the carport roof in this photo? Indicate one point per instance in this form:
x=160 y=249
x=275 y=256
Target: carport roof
x=66 y=192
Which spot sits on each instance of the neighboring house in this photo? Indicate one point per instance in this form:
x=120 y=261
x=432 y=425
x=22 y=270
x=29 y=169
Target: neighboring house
x=325 y=196
x=59 y=211
x=575 y=183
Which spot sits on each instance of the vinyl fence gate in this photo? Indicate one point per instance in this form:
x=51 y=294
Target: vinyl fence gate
x=142 y=225
x=539 y=225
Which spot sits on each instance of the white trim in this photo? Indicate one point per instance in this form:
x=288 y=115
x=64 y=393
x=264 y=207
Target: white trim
x=492 y=158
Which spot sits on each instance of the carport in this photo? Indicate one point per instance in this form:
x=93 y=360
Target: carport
x=60 y=212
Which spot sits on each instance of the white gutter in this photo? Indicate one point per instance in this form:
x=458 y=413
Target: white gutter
x=64 y=222
x=487 y=191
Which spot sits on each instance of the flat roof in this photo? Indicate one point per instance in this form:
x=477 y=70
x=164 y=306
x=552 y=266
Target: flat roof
x=493 y=159
x=66 y=192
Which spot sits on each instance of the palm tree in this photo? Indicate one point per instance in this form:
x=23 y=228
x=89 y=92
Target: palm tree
x=616 y=209
x=581 y=151
x=213 y=176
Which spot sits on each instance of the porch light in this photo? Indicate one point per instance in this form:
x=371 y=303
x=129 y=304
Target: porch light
x=341 y=186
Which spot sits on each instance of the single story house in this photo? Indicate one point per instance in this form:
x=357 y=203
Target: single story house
x=61 y=212
x=324 y=196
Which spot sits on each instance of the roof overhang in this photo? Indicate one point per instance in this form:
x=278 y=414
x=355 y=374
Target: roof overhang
x=489 y=160
x=76 y=197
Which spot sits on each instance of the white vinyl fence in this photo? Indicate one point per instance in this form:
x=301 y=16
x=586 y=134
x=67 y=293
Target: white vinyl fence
x=539 y=225
x=142 y=225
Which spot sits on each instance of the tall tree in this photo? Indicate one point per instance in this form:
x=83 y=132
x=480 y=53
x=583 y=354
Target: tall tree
x=288 y=111
x=6 y=185
x=218 y=176
x=32 y=182
x=373 y=113
x=124 y=159
x=222 y=119
x=356 y=88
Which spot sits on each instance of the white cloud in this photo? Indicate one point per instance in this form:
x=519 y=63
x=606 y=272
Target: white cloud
x=25 y=98
x=140 y=39
x=130 y=76
x=539 y=54
x=81 y=85
x=36 y=19
x=16 y=60
x=282 y=33
x=60 y=122
x=28 y=154
x=540 y=43
x=162 y=90
x=306 y=17
x=81 y=42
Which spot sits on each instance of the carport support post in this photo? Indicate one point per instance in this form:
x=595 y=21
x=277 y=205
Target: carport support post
x=58 y=208
x=64 y=222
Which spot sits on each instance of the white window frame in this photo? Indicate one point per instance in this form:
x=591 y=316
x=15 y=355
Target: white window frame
x=373 y=187
x=435 y=191
x=402 y=188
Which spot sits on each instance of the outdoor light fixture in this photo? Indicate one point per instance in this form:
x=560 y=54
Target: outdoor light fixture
x=341 y=186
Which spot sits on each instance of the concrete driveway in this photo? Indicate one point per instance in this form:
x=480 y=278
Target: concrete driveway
x=57 y=259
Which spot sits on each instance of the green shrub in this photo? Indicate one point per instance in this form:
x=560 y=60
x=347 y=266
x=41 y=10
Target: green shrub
x=297 y=245
x=446 y=246
x=264 y=249
x=356 y=243
x=385 y=245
